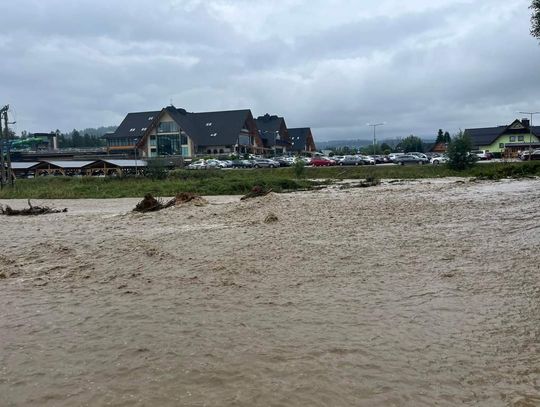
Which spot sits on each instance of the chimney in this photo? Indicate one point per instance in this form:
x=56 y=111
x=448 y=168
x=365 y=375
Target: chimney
x=525 y=123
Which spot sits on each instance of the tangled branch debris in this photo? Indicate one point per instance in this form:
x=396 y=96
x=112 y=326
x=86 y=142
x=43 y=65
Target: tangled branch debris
x=30 y=211
x=151 y=204
x=185 y=197
x=255 y=192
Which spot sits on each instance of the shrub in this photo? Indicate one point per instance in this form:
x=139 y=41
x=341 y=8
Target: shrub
x=156 y=169
x=299 y=168
x=459 y=154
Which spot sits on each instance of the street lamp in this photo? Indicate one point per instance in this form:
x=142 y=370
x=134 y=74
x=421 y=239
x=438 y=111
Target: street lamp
x=530 y=130
x=374 y=133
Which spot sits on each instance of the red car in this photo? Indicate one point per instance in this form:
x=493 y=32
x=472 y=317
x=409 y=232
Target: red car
x=321 y=162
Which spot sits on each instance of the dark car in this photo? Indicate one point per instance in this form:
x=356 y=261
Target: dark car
x=409 y=159
x=351 y=160
x=535 y=155
x=242 y=164
x=282 y=161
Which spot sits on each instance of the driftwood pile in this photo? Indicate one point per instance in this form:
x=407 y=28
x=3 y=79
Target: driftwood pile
x=151 y=204
x=30 y=211
x=255 y=192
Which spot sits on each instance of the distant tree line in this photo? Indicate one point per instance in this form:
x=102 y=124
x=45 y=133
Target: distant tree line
x=89 y=137
x=408 y=144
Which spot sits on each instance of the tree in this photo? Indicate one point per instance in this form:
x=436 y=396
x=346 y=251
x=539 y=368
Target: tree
x=386 y=149
x=446 y=137
x=440 y=137
x=535 y=19
x=443 y=137
x=458 y=152
x=411 y=143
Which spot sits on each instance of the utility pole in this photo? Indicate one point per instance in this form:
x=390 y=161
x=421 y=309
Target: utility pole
x=2 y=162
x=9 y=176
x=530 y=131
x=374 y=134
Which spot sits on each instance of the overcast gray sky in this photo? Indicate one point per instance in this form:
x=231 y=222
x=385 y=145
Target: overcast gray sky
x=334 y=65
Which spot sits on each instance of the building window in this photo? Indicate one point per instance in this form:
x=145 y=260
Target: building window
x=185 y=151
x=169 y=145
x=501 y=145
x=152 y=141
x=512 y=138
x=183 y=139
x=521 y=138
x=167 y=127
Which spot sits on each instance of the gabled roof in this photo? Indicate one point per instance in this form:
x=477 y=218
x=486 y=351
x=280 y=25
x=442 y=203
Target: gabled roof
x=299 y=137
x=269 y=124
x=124 y=163
x=218 y=128
x=25 y=165
x=272 y=128
x=484 y=136
x=134 y=125
x=65 y=163
x=206 y=128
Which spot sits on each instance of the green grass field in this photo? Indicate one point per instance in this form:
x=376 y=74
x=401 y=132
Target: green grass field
x=226 y=182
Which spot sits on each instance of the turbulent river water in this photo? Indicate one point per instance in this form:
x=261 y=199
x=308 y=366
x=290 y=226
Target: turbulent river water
x=407 y=294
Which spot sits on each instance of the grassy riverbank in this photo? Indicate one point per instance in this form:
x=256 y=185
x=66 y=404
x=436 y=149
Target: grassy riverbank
x=226 y=182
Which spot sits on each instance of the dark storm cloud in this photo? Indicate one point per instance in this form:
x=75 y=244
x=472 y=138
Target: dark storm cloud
x=335 y=67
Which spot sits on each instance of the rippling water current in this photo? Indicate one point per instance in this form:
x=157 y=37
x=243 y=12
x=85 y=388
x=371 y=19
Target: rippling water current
x=403 y=295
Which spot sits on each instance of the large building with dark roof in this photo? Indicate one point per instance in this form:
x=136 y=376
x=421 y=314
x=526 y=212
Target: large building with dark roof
x=518 y=136
x=302 y=140
x=274 y=133
x=176 y=132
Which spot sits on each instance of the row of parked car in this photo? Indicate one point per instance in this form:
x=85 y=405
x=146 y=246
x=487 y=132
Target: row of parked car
x=255 y=162
x=319 y=161
x=530 y=155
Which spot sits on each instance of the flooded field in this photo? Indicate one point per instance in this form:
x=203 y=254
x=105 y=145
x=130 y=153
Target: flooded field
x=406 y=294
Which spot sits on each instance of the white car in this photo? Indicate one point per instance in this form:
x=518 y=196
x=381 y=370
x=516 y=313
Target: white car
x=197 y=165
x=393 y=156
x=367 y=159
x=442 y=159
x=216 y=164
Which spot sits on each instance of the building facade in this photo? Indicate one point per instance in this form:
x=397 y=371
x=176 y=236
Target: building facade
x=173 y=132
x=518 y=136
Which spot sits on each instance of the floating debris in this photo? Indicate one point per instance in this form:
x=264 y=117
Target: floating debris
x=151 y=204
x=30 y=211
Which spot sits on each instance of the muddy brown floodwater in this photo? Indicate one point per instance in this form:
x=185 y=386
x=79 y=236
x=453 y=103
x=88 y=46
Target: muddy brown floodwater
x=406 y=294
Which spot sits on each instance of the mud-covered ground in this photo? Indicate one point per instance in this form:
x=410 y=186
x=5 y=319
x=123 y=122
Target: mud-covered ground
x=407 y=294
